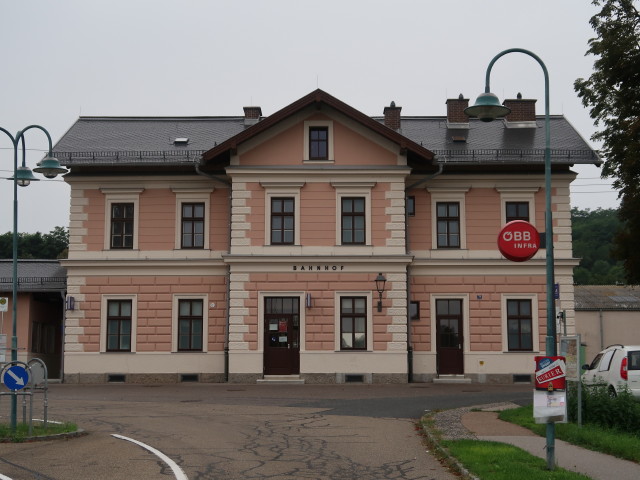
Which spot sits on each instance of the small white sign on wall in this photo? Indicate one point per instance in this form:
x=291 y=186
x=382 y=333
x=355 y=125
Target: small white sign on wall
x=4 y=304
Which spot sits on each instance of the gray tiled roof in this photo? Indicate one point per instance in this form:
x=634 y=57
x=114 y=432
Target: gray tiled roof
x=149 y=140
x=96 y=140
x=33 y=275
x=607 y=297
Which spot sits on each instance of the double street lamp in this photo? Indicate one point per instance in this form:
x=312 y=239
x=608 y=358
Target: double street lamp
x=488 y=108
x=22 y=176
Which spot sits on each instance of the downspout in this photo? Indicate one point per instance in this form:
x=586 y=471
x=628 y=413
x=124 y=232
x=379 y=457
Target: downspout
x=224 y=181
x=63 y=294
x=407 y=249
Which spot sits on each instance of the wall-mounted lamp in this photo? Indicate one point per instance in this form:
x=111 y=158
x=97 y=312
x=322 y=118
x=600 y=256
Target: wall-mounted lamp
x=71 y=303
x=380 y=282
x=308 y=300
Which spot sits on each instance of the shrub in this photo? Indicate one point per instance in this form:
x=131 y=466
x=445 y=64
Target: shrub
x=599 y=407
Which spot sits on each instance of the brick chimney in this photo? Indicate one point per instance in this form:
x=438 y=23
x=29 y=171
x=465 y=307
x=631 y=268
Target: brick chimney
x=252 y=115
x=455 y=110
x=392 y=116
x=522 y=110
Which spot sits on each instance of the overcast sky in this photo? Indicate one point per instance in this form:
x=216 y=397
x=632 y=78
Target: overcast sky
x=66 y=58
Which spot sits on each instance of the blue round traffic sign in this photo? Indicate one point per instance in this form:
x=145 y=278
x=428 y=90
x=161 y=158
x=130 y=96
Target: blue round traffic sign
x=15 y=377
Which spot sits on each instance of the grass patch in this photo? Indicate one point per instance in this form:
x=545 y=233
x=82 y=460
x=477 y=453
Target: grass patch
x=605 y=440
x=499 y=461
x=22 y=431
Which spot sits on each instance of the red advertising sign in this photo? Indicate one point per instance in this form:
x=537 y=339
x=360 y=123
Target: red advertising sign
x=551 y=373
x=518 y=241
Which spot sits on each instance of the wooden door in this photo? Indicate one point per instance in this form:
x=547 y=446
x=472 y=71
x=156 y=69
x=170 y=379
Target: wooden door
x=449 y=337
x=282 y=336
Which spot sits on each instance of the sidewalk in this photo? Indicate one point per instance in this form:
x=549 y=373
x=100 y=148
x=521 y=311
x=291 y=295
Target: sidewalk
x=485 y=425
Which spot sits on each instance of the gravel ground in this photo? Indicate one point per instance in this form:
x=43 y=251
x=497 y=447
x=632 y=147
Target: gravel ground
x=449 y=422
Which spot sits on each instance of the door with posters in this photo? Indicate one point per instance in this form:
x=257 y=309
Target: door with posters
x=281 y=335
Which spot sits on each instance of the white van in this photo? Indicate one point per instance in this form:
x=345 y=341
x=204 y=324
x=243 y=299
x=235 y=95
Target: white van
x=617 y=367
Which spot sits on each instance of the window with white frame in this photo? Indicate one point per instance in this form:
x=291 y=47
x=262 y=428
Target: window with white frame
x=190 y=323
x=318 y=141
x=282 y=216
x=118 y=321
x=353 y=212
x=517 y=203
x=121 y=217
x=193 y=207
x=448 y=225
x=520 y=323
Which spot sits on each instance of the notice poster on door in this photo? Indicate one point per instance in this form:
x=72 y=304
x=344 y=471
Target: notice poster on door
x=282 y=326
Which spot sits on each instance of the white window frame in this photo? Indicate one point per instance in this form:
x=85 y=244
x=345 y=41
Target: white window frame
x=535 y=326
x=187 y=195
x=121 y=195
x=515 y=194
x=318 y=123
x=368 y=294
x=285 y=190
x=353 y=189
x=439 y=195
x=103 y=321
x=175 y=303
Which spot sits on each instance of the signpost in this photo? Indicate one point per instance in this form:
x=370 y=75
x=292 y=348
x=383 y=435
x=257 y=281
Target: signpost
x=15 y=377
x=518 y=241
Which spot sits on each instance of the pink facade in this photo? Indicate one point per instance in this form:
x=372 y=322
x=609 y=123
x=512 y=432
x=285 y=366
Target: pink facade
x=266 y=266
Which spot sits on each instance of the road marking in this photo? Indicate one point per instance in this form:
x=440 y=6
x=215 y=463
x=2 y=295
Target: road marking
x=4 y=477
x=177 y=471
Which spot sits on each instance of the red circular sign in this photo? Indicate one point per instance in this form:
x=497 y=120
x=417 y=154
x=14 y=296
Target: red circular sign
x=518 y=241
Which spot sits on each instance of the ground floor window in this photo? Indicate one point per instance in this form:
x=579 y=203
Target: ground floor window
x=519 y=325
x=119 y=325
x=353 y=323
x=190 y=325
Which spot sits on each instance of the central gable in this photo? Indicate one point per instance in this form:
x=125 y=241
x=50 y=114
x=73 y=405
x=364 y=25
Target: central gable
x=317 y=128
x=318 y=136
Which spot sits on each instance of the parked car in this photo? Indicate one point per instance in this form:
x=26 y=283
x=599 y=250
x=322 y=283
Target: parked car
x=617 y=368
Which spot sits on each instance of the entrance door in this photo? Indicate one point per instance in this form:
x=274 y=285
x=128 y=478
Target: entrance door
x=281 y=335
x=449 y=338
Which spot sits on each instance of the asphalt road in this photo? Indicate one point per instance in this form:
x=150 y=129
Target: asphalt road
x=228 y=431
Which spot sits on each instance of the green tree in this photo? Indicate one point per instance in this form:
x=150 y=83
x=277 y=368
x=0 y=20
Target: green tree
x=613 y=94
x=51 y=245
x=593 y=233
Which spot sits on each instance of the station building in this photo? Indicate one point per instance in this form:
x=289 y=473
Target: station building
x=247 y=249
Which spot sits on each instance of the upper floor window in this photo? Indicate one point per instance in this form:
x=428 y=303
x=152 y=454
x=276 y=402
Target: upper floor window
x=192 y=225
x=122 y=218
x=448 y=224
x=519 y=325
x=353 y=323
x=119 y=325
x=353 y=216
x=282 y=221
x=318 y=143
x=516 y=211
x=190 y=333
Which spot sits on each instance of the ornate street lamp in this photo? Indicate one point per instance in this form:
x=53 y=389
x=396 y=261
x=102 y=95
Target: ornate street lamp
x=22 y=176
x=488 y=108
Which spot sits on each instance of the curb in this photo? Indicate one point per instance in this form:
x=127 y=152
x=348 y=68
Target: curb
x=57 y=436
x=432 y=435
